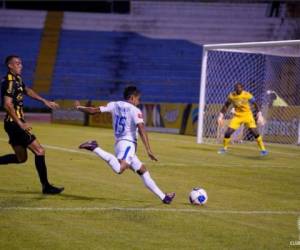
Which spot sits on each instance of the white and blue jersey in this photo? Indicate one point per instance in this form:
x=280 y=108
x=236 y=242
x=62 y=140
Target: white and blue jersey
x=125 y=118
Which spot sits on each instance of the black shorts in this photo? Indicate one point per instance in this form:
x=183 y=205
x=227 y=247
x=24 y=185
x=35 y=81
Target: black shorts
x=18 y=136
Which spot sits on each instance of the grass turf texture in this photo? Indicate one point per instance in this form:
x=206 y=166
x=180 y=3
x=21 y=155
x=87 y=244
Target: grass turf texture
x=253 y=202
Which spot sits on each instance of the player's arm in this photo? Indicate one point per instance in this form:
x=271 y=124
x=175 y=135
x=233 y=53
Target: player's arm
x=256 y=107
x=259 y=117
x=86 y=109
x=145 y=140
x=223 y=112
x=9 y=107
x=31 y=93
x=225 y=106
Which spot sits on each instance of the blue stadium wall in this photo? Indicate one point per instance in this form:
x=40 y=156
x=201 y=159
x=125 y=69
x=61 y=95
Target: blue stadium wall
x=98 y=65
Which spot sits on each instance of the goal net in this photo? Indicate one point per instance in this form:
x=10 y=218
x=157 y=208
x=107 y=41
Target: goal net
x=269 y=70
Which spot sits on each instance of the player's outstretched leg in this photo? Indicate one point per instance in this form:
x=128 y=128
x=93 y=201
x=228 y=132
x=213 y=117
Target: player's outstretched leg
x=8 y=159
x=151 y=185
x=112 y=161
x=19 y=156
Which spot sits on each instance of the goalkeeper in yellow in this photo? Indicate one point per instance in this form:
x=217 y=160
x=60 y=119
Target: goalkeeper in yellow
x=241 y=100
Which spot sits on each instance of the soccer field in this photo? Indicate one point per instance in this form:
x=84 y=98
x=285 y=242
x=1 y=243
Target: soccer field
x=253 y=202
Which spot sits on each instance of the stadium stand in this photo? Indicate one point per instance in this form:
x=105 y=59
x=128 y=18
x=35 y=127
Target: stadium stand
x=157 y=46
x=20 y=33
x=48 y=50
x=99 y=64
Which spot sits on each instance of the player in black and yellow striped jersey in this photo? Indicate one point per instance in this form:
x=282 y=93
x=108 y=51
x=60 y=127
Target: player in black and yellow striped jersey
x=13 y=90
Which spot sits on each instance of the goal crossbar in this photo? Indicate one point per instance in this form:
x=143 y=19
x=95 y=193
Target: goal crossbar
x=250 y=44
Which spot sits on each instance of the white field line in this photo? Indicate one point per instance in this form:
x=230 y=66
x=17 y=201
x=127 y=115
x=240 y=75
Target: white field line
x=133 y=209
x=250 y=147
x=69 y=150
x=74 y=209
x=217 y=165
x=178 y=164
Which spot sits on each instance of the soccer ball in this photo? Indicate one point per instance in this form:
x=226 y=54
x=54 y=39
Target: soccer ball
x=198 y=196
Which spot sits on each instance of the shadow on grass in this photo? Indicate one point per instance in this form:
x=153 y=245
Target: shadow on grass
x=39 y=193
x=36 y=195
x=92 y=198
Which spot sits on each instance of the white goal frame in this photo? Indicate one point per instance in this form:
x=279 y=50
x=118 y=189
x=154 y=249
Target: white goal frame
x=231 y=47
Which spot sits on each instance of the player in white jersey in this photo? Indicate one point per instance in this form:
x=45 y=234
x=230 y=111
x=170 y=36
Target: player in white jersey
x=127 y=123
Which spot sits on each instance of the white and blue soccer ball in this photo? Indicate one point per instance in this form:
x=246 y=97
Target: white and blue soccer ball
x=198 y=196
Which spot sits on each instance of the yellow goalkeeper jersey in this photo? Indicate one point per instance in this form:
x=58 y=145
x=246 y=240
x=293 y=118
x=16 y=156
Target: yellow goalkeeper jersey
x=241 y=102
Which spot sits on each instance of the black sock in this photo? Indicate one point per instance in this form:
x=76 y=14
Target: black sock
x=7 y=159
x=41 y=169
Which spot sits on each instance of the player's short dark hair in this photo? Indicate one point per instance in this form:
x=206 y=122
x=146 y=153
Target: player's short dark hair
x=130 y=91
x=9 y=58
x=239 y=83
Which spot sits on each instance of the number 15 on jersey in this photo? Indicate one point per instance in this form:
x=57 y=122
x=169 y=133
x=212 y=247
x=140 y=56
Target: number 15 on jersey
x=120 y=123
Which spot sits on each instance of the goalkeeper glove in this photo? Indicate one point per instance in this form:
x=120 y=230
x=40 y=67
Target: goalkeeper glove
x=260 y=119
x=220 y=119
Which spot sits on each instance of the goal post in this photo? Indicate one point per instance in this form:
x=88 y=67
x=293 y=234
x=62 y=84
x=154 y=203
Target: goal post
x=269 y=70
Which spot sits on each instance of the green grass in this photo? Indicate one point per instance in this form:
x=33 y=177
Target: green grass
x=245 y=192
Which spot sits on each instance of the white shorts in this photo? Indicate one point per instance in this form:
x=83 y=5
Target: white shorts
x=125 y=150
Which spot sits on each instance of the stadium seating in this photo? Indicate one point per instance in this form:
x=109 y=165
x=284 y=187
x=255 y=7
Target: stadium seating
x=158 y=46
x=20 y=33
x=99 y=65
x=24 y=42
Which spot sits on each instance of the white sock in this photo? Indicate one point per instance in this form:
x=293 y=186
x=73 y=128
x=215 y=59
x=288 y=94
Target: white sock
x=150 y=183
x=109 y=158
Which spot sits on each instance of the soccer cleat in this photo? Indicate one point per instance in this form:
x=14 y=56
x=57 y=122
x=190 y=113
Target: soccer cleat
x=49 y=189
x=222 y=151
x=89 y=145
x=264 y=152
x=168 y=198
